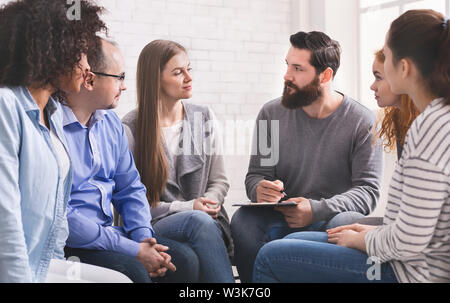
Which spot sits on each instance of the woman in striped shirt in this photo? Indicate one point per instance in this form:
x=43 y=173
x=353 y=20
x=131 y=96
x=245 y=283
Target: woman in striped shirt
x=413 y=244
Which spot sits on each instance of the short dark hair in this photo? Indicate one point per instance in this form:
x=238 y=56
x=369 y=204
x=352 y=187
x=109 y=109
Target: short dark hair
x=39 y=43
x=325 y=52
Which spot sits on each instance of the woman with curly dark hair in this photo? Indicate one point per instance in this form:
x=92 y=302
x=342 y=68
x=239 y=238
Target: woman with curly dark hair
x=42 y=54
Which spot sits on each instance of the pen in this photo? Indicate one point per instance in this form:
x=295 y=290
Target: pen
x=281 y=191
x=285 y=195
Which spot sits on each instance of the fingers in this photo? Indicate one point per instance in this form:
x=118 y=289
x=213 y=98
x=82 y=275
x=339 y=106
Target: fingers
x=151 y=241
x=213 y=212
x=167 y=261
x=208 y=201
x=268 y=198
x=272 y=185
x=269 y=195
x=334 y=238
x=160 y=248
x=296 y=200
x=153 y=275
x=341 y=228
x=161 y=272
x=154 y=243
x=276 y=185
x=207 y=205
x=272 y=196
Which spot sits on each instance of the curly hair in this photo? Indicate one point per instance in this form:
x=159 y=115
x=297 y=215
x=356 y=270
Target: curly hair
x=395 y=121
x=39 y=42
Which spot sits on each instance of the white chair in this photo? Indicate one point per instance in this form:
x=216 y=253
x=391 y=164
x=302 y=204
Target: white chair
x=72 y=271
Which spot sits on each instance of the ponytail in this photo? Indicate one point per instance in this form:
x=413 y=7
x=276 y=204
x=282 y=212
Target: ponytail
x=440 y=81
x=430 y=53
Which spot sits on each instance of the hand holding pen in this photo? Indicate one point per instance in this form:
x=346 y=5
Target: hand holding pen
x=270 y=191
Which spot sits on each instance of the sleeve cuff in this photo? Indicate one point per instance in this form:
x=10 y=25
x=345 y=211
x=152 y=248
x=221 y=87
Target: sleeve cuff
x=180 y=206
x=253 y=195
x=320 y=211
x=130 y=248
x=141 y=234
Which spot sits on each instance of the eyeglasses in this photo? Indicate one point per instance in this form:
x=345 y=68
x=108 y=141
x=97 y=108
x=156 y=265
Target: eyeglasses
x=121 y=77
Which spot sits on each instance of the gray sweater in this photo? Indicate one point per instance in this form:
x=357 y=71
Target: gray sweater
x=332 y=161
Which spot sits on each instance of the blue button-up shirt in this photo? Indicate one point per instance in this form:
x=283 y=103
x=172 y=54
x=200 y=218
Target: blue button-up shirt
x=104 y=173
x=33 y=192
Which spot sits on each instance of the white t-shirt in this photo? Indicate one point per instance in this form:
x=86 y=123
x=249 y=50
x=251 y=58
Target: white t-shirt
x=171 y=136
x=61 y=153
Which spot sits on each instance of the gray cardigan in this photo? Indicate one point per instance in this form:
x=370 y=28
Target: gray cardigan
x=198 y=171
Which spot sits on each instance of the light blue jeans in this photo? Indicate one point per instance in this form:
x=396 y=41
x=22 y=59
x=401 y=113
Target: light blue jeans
x=252 y=228
x=305 y=257
x=196 y=246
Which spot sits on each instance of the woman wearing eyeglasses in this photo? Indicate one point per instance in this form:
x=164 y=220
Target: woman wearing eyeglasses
x=42 y=53
x=178 y=153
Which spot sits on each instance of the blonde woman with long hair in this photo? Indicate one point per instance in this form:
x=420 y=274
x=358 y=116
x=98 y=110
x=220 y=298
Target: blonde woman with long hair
x=178 y=154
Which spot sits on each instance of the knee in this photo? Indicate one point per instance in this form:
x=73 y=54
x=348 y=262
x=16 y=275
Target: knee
x=203 y=221
x=269 y=249
x=266 y=252
x=200 y=217
x=345 y=218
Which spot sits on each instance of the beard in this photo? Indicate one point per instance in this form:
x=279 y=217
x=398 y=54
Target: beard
x=301 y=97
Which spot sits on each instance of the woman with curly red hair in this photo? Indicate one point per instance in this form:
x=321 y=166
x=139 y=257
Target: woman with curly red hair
x=399 y=110
x=42 y=54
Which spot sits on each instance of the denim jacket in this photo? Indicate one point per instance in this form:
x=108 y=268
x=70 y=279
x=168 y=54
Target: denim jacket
x=33 y=194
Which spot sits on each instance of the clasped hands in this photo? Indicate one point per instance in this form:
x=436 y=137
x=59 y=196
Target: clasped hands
x=208 y=206
x=154 y=258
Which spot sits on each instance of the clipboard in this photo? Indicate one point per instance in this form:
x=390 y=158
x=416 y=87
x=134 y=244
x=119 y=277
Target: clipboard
x=265 y=204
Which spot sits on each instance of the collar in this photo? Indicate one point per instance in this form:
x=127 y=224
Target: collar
x=70 y=118
x=436 y=101
x=29 y=104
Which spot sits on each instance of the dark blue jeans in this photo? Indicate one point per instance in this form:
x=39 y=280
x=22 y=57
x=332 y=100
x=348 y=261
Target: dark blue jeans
x=196 y=247
x=127 y=265
x=252 y=228
x=305 y=257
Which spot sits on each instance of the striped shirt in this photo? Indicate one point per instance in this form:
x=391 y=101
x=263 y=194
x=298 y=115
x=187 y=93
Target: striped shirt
x=415 y=235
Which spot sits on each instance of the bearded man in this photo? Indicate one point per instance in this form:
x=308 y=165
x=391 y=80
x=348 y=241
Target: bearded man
x=328 y=163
